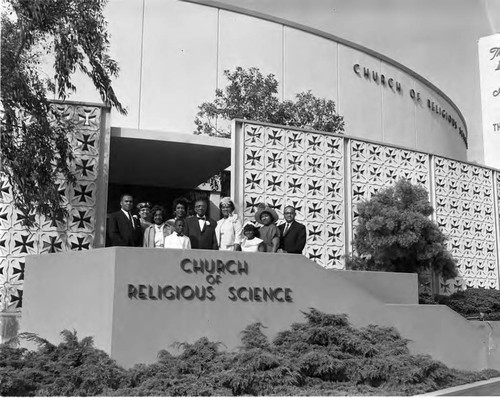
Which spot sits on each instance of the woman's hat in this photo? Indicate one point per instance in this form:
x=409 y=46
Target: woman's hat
x=144 y=204
x=226 y=201
x=262 y=208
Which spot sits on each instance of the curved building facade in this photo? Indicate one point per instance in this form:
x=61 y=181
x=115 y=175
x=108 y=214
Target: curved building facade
x=173 y=54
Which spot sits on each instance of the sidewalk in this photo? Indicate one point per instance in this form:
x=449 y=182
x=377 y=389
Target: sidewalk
x=485 y=388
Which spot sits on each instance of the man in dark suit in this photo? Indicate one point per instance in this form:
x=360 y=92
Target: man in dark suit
x=125 y=230
x=293 y=233
x=201 y=229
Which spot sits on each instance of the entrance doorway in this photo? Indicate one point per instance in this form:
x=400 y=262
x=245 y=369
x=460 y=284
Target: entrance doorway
x=160 y=170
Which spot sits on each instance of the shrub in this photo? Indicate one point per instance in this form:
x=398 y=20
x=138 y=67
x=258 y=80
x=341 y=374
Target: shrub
x=395 y=234
x=323 y=356
x=71 y=368
x=470 y=303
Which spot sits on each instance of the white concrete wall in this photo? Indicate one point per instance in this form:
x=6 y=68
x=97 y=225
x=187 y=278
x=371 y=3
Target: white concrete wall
x=173 y=54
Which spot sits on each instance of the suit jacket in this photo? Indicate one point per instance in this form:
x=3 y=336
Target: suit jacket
x=121 y=232
x=201 y=239
x=295 y=238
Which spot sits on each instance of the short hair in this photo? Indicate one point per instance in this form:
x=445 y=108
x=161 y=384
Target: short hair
x=159 y=208
x=249 y=227
x=125 y=194
x=182 y=201
x=252 y=227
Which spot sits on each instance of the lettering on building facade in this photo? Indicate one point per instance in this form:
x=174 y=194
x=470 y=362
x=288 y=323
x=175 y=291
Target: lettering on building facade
x=214 y=271
x=397 y=88
x=495 y=57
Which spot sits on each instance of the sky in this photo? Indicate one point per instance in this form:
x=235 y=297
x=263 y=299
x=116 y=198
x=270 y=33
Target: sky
x=435 y=38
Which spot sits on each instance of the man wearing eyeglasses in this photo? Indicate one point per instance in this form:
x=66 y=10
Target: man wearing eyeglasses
x=293 y=233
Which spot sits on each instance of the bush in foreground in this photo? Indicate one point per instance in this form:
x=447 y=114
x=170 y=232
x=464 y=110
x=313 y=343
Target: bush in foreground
x=323 y=356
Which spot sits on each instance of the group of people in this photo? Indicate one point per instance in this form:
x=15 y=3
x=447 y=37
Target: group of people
x=153 y=229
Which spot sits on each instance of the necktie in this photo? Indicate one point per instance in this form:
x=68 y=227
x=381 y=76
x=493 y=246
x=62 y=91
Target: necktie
x=131 y=219
x=287 y=227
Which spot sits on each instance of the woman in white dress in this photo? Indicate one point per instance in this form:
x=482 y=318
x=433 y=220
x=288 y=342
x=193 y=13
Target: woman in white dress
x=229 y=228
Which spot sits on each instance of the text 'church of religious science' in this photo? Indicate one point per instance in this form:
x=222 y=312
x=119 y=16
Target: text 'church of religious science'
x=172 y=56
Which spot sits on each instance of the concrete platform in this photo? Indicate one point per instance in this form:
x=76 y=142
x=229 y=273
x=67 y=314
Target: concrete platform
x=136 y=301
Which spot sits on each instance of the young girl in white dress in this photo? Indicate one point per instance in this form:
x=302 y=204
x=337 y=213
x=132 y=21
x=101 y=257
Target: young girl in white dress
x=251 y=243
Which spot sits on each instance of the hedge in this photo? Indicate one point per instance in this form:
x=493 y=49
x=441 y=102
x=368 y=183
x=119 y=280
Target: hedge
x=473 y=303
x=325 y=355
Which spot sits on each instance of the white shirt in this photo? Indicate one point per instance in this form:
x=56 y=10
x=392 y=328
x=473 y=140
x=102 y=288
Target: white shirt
x=159 y=235
x=173 y=241
x=202 y=222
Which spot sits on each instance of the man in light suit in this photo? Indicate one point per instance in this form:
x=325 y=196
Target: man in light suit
x=293 y=233
x=125 y=230
x=200 y=229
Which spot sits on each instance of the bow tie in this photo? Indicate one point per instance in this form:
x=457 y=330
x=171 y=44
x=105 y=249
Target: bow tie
x=180 y=235
x=201 y=218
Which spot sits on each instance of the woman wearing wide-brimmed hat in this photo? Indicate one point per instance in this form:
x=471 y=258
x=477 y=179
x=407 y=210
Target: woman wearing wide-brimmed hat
x=269 y=232
x=229 y=228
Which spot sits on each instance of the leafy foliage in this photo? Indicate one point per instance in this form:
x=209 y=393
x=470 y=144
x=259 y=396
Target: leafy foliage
x=71 y=368
x=483 y=304
x=35 y=146
x=395 y=233
x=250 y=95
x=323 y=356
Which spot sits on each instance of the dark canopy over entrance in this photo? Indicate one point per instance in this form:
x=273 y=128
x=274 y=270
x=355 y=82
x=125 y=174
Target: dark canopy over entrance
x=177 y=161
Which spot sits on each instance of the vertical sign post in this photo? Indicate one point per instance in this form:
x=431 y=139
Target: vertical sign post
x=489 y=71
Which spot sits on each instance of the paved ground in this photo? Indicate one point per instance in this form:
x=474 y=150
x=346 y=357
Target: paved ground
x=490 y=389
x=483 y=388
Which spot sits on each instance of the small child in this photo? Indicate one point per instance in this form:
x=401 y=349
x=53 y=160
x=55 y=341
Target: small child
x=177 y=240
x=251 y=243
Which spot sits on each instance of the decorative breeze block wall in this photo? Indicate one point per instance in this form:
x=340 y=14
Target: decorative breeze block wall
x=374 y=167
x=465 y=212
x=287 y=167
x=313 y=172
x=76 y=232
